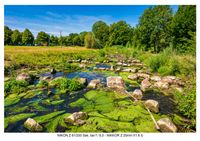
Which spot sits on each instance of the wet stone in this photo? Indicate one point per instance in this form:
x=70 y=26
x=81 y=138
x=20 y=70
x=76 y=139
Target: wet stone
x=145 y=84
x=32 y=125
x=94 y=83
x=166 y=125
x=77 y=118
x=24 y=77
x=137 y=94
x=152 y=105
x=115 y=82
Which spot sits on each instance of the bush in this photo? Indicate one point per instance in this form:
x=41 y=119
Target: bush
x=42 y=84
x=65 y=84
x=187 y=104
x=15 y=86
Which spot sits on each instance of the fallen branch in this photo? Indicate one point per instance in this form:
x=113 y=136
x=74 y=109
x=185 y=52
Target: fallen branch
x=154 y=121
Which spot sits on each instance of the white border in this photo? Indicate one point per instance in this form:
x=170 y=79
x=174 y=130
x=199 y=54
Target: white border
x=53 y=136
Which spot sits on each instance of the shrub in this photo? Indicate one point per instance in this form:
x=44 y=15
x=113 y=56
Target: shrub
x=15 y=86
x=187 y=104
x=42 y=84
x=64 y=84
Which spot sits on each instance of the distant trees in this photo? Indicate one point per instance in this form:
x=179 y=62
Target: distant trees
x=119 y=33
x=16 y=37
x=7 y=35
x=154 y=28
x=157 y=29
x=27 y=37
x=43 y=38
x=184 y=28
x=101 y=32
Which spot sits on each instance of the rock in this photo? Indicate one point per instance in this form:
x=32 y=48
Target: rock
x=133 y=77
x=53 y=71
x=111 y=67
x=115 y=82
x=32 y=125
x=119 y=63
x=145 y=84
x=24 y=77
x=152 y=105
x=179 y=89
x=166 y=125
x=45 y=78
x=77 y=118
x=93 y=83
x=137 y=94
x=129 y=70
x=82 y=81
x=162 y=84
x=82 y=66
x=143 y=75
x=155 y=78
x=84 y=61
x=169 y=79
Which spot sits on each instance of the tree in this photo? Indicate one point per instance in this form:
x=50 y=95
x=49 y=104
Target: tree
x=154 y=27
x=119 y=33
x=27 y=37
x=90 y=41
x=184 y=22
x=76 y=40
x=43 y=38
x=7 y=35
x=16 y=37
x=82 y=37
x=54 y=40
x=101 y=32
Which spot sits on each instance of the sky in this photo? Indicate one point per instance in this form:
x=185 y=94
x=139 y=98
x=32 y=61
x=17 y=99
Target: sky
x=66 y=19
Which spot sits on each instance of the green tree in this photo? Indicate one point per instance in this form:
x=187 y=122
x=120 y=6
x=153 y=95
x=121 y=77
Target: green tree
x=119 y=33
x=154 y=28
x=43 y=38
x=7 y=35
x=76 y=41
x=54 y=41
x=184 y=22
x=90 y=41
x=16 y=37
x=27 y=37
x=82 y=37
x=101 y=32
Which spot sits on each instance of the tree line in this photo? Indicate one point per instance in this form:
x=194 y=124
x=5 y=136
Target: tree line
x=157 y=29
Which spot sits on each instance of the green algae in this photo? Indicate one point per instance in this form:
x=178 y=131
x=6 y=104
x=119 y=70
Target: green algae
x=15 y=118
x=11 y=99
x=124 y=75
x=57 y=121
x=57 y=102
x=47 y=117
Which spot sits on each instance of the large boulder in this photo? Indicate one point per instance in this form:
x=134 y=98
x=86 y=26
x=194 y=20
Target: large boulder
x=77 y=118
x=152 y=105
x=115 y=82
x=137 y=94
x=24 y=77
x=166 y=125
x=145 y=84
x=94 y=83
x=162 y=84
x=32 y=125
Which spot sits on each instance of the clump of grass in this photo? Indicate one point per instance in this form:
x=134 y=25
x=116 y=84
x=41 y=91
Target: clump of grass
x=66 y=84
x=42 y=84
x=14 y=86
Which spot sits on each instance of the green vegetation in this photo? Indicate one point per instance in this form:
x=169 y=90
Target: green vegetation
x=16 y=118
x=67 y=84
x=47 y=117
x=15 y=86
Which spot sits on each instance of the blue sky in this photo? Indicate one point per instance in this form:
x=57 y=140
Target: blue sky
x=68 y=19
